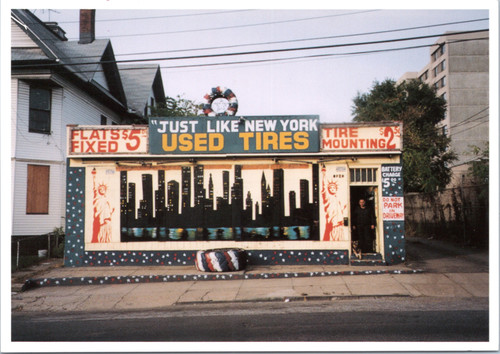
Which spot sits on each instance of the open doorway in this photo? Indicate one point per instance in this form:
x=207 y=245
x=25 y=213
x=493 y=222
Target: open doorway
x=369 y=194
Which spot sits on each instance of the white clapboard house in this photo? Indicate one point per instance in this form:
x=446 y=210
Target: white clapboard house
x=56 y=82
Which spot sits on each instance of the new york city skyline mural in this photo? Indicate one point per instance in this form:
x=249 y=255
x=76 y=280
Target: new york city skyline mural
x=205 y=204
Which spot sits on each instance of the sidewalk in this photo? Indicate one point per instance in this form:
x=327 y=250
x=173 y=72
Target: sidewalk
x=56 y=288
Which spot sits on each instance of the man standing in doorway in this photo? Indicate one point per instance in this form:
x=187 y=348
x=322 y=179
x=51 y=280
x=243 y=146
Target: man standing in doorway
x=364 y=224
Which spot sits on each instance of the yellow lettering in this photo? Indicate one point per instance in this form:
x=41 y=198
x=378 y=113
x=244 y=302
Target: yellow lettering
x=270 y=138
x=215 y=142
x=301 y=140
x=200 y=142
x=165 y=145
x=258 y=141
x=246 y=140
x=185 y=142
x=285 y=140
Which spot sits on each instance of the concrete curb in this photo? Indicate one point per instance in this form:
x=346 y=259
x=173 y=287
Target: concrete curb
x=137 y=279
x=296 y=299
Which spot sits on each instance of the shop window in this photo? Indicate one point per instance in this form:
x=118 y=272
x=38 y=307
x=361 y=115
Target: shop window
x=39 y=116
x=37 y=195
x=363 y=175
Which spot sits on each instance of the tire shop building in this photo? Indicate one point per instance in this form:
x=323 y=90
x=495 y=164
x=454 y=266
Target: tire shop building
x=281 y=188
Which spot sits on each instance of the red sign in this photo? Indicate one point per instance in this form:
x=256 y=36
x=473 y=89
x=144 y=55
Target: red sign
x=360 y=138
x=393 y=208
x=103 y=140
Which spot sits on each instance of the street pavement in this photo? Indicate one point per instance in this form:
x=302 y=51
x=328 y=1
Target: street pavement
x=61 y=289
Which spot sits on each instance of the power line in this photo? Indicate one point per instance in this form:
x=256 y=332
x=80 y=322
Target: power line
x=258 y=51
x=258 y=61
x=301 y=57
x=305 y=39
x=307 y=57
x=465 y=121
x=290 y=40
x=160 y=17
x=317 y=56
x=219 y=28
x=461 y=131
x=238 y=26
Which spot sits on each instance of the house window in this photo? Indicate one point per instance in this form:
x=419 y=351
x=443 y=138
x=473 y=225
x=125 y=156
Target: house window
x=441 y=49
x=104 y=120
x=443 y=65
x=435 y=71
x=37 y=195
x=443 y=81
x=363 y=175
x=39 y=119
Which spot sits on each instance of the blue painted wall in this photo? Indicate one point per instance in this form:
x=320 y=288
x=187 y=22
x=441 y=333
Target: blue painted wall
x=394 y=231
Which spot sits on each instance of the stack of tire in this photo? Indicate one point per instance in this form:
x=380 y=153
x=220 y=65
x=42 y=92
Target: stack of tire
x=220 y=92
x=221 y=260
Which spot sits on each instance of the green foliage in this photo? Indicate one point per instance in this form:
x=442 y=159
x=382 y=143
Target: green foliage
x=176 y=107
x=426 y=155
x=479 y=169
x=58 y=231
x=57 y=249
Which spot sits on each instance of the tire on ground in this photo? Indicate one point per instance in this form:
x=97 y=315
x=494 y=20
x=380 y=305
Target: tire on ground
x=221 y=260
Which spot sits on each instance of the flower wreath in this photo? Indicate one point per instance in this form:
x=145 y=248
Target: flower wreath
x=220 y=92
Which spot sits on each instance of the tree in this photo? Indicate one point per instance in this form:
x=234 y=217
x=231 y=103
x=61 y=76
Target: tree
x=426 y=154
x=479 y=169
x=176 y=107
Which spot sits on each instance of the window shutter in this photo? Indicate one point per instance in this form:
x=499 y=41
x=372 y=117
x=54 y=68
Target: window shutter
x=37 y=197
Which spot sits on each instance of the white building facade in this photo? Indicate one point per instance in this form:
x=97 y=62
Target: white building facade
x=55 y=83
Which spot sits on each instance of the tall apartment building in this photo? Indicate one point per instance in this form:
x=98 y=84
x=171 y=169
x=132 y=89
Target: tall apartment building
x=459 y=72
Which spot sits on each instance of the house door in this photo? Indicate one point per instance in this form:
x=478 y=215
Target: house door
x=369 y=195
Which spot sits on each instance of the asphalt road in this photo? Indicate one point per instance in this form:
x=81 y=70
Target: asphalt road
x=435 y=257
x=398 y=319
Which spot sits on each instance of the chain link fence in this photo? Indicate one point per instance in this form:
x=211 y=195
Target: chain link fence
x=29 y=250
x=459 y=214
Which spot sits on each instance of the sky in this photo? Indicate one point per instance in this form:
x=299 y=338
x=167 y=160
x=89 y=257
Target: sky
x=273 y=83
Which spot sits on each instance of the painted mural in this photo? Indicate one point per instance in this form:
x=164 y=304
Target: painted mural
x=334 y=187
x=103 y=211
x=103 y=219
x=237 y=202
